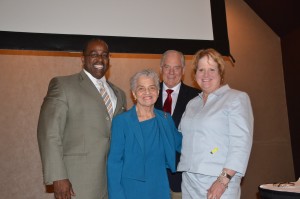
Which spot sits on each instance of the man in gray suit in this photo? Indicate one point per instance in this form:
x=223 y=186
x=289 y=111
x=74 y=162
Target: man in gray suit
x=74 y=127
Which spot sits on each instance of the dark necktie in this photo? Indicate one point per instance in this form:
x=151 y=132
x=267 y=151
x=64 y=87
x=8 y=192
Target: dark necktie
x=168 y=102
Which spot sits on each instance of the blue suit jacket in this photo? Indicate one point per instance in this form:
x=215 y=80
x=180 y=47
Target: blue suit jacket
x=126 y=157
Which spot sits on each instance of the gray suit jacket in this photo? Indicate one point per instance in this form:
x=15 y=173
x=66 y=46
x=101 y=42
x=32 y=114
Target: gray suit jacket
x=74 y=134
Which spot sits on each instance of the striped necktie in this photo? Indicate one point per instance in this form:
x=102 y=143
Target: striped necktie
x=106 y=100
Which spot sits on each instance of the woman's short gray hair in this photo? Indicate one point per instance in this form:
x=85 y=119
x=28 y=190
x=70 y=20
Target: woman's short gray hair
x=147 y=73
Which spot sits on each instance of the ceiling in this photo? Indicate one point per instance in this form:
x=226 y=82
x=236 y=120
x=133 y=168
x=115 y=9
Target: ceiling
x=283 y=16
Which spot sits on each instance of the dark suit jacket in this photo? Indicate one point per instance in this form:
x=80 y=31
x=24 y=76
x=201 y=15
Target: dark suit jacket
x=186 y=93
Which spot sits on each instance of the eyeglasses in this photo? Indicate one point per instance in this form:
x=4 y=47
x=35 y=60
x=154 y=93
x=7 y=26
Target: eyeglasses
x=96 y=55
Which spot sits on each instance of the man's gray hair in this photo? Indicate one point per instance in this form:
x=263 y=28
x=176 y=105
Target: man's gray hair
x=182 y=58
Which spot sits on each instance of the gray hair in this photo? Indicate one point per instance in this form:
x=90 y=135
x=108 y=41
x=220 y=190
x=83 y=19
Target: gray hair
x=182 y=58
x=147 y=73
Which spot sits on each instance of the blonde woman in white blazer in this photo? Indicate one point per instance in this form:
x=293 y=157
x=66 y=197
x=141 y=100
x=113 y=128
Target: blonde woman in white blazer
x=217 y=129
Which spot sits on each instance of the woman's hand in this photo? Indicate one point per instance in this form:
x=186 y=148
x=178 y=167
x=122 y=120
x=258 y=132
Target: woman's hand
x=217 y=189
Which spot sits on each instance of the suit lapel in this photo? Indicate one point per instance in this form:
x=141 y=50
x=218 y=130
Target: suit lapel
x=180 y=100
x=88 y=86
x=119 y=104
x=159 y=103
x=166 y=135
x=91 y=90
x=136 y=126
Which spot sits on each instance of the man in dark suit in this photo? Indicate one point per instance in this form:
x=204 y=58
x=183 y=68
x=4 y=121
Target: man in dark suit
x=172 y=67
x=74 y=127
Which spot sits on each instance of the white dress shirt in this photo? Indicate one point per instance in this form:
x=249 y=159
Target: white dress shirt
x=108 y=89
x=174 y=95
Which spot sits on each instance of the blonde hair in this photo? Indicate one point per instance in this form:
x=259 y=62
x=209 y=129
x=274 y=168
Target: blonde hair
x=210 y=53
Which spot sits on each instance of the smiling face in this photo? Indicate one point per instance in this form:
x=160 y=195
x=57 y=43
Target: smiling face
x=207 y=75
x=146 y=91
x=95 y=58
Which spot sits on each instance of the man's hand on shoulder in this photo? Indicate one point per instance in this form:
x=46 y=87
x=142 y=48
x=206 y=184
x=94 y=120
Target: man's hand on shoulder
x=63 y=189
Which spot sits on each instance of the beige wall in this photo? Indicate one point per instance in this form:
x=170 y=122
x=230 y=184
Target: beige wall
x=258 y=71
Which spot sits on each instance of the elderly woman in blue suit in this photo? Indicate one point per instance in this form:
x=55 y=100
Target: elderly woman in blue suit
x=144 y=141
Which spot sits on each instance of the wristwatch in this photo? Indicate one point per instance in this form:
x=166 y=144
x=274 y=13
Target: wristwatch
x=225 y=174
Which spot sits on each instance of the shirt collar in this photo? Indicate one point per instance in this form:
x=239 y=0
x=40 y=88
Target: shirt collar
x=220 y=91
x=175 y=88
x=93 y=79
